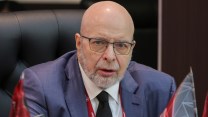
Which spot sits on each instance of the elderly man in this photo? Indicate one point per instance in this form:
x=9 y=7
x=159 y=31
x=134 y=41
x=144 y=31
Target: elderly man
x=98 y=79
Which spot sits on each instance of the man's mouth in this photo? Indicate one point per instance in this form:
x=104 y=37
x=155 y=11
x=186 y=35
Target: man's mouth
x=106 y=72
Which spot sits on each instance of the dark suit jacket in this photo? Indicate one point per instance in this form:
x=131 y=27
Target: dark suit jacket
x=56 y=89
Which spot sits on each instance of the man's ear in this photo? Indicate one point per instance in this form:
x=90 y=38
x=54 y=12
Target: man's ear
x=78 y=41
x=134 y=45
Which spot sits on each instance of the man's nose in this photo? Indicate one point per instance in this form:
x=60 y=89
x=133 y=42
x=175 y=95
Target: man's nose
x=109 y=54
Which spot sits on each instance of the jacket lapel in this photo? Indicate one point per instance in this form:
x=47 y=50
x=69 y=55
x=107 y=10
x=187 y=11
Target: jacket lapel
x=131 y=101
x=74 y=90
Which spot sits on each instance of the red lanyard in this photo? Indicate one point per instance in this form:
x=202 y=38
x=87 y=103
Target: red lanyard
x=91 y=111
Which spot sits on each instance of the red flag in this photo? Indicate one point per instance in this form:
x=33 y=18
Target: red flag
x=183 y=103
x=18 y=105
x=205 y=113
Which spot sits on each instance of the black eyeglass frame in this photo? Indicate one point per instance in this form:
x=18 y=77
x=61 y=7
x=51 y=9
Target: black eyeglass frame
x=131 y=45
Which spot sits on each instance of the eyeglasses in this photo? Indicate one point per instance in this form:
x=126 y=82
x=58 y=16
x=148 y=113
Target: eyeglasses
x=100 y=45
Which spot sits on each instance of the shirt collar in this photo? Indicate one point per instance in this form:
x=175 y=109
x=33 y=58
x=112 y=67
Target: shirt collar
x=93 y=90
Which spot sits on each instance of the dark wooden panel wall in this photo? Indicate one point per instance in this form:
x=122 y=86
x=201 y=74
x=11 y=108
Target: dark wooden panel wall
x=185 y=42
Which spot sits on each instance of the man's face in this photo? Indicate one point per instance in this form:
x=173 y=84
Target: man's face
x=104 y=68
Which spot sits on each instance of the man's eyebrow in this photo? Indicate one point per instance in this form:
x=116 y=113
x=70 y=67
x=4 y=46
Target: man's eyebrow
x=122 y=41
x=108 y=40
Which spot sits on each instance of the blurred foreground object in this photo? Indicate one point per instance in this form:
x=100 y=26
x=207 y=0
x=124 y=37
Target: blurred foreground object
x=18 y=104
x=205 y=113
x=183 y=102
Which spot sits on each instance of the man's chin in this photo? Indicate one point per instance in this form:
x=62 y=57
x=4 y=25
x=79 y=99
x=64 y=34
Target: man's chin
x=105 y=82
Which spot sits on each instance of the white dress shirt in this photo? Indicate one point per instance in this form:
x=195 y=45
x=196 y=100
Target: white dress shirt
x=93 y=91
